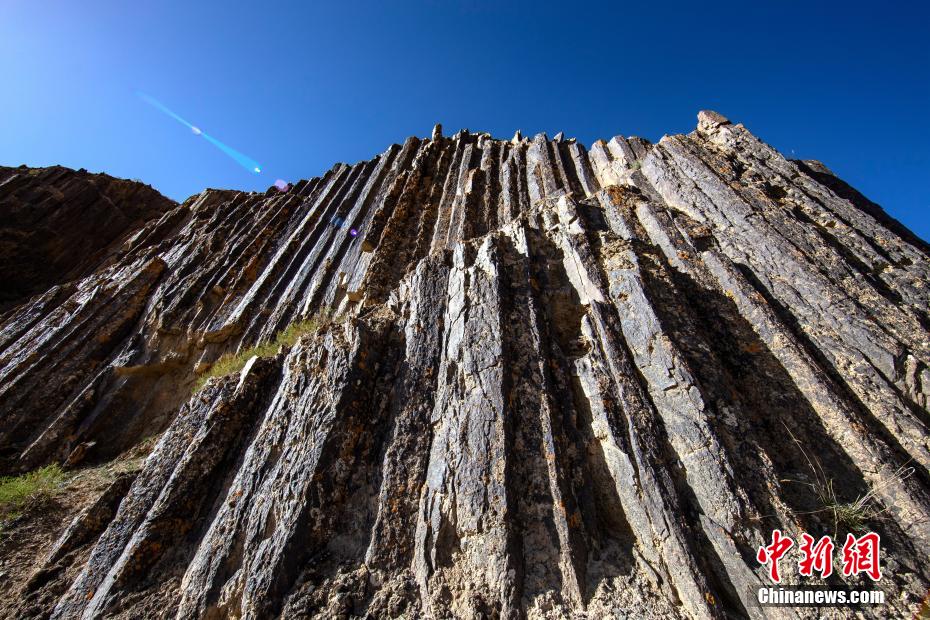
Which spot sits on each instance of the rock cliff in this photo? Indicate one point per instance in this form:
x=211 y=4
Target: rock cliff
x=542 y=381
x=60 y=225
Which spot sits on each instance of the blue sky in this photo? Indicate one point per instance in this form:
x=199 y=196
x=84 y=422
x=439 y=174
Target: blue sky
x=299 y=86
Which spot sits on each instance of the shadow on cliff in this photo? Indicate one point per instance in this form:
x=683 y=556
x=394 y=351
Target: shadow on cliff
x=764 y=421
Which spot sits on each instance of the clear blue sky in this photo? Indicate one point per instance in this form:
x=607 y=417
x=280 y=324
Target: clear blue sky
x=298 y=86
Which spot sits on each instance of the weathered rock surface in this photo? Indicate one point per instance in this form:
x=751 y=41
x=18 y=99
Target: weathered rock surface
x=59 y=225
x=560 y=383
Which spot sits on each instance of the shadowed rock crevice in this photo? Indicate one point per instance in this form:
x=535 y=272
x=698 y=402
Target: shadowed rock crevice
x=759 y=414
x=709 y=570
x=897 y=454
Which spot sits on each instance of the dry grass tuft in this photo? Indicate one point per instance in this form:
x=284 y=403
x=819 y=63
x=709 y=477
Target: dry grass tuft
x=855 y=516
x=233 y=362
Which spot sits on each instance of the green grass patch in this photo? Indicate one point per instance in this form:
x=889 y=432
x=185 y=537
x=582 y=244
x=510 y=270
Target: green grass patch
x=17 y=491
x=233 y=362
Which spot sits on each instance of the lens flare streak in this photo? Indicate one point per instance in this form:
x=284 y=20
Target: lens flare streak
x=243 y=160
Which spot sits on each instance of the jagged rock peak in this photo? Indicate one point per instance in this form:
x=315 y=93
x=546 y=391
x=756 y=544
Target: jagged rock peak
x=708 y=120
x=534 y=380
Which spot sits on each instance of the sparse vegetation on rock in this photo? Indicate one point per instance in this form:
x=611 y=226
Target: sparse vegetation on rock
x=16 y=491
x=230 y=363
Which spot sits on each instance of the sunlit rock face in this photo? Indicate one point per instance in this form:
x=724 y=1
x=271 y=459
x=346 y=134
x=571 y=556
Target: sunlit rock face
x=553 y=382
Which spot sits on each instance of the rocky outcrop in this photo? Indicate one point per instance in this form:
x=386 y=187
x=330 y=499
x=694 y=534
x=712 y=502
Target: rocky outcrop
x=59 y=225
x=555 y=382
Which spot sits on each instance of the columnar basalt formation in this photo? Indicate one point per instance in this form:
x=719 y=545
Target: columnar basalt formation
x=554 y=382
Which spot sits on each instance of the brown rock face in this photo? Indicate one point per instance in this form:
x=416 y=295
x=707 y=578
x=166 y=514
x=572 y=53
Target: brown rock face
x=58 y=225
x=557 y=383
